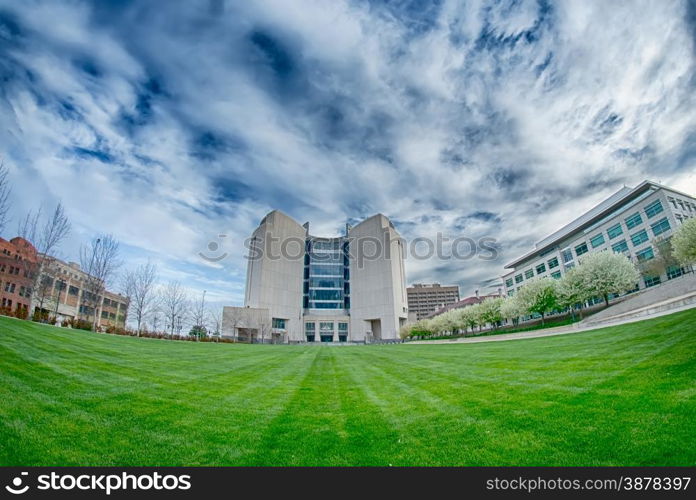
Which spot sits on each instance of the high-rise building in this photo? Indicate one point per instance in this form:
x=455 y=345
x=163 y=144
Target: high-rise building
x=306 y=288
x=425 y=298
x=632 y=221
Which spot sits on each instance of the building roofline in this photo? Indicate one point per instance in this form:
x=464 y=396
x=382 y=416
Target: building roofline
x=596 y=213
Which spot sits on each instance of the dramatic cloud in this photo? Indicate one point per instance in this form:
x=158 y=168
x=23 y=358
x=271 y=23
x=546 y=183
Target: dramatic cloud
x=169 y=124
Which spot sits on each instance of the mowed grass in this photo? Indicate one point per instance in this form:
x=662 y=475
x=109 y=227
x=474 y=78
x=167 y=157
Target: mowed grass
x=624 y=395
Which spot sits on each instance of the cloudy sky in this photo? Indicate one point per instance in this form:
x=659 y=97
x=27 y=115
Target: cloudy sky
x=170 y=123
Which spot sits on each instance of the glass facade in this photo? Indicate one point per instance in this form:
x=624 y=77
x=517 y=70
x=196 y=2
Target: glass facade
x=553 y=263
x=581 y=249
x=597 y=240
x=567 y=255
x=633 y=220
x=529 y=273
x=639 y=237
x=541 y=268
x=660 y=226
x=620 y=246
x=327 y=278
x=615 y=231
x=645 y=254
x=653 y=209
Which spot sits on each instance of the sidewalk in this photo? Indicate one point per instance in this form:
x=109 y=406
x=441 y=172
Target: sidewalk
x=550 y=332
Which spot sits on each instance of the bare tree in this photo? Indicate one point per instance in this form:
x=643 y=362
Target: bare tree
x=173 y=304
x=265 y=329
x=100 y=260
x=139 y=287
x=199 y=314
x=215 y=319
x=4 y=195
x=46 y=239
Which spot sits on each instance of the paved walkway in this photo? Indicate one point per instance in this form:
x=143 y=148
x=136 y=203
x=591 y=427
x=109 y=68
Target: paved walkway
x=549 y=332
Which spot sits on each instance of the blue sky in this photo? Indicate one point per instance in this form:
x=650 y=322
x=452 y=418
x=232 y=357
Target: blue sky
x=169 y=123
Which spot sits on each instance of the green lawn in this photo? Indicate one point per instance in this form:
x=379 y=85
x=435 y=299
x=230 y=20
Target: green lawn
x=624 y=395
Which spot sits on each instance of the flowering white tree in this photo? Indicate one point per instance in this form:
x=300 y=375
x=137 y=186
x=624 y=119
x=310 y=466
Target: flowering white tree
x=512 y=309
x=604 y=273
x=539 y=296
x=684 y=242
x=489 y=311
x=467 y=317
x=572 y=289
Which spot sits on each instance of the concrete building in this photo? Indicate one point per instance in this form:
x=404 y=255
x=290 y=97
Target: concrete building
x=424 y=298
x=630 y=221
x=18 y=263
x=304 y=288
x=65 y=298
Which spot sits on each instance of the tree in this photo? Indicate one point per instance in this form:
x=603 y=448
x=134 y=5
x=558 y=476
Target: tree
x=199 y=314
x=572 y=289
x=511 y=309
x=215 y=320
x=173 y=303
x=46 y=239
x=684 y=242
x=490 y=311
x=663 y=260
x=4 y=195
x=100 y=261
x=198 y=331
x=605 y=273
x=468 y=317
x=539 y=296
x=139 y=287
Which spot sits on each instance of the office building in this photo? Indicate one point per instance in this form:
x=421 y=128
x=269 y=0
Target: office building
x=630 y=222
x=306 y=288
x=424 y=298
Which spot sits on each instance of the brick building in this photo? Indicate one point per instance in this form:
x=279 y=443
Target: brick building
x=18 y=263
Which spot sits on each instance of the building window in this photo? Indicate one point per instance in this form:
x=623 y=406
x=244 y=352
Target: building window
x=581 y=249
x=326 y=326
x=508 y=282
x=660 y=226
x=651 y=281
x=529 y=273
x=342 y=327
x=653 y=209
x=278 y=324
x=556 y=275
x=620 y=247
x=567 y=255
x=518 y=278
x=639 y=237
x=511 y=293
x=633 y=220
x=645 y=254
x=595 y=241
x=74 y=291
x=615 y=231
x=541 y=268
x=674 y=272
x=553 y=263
